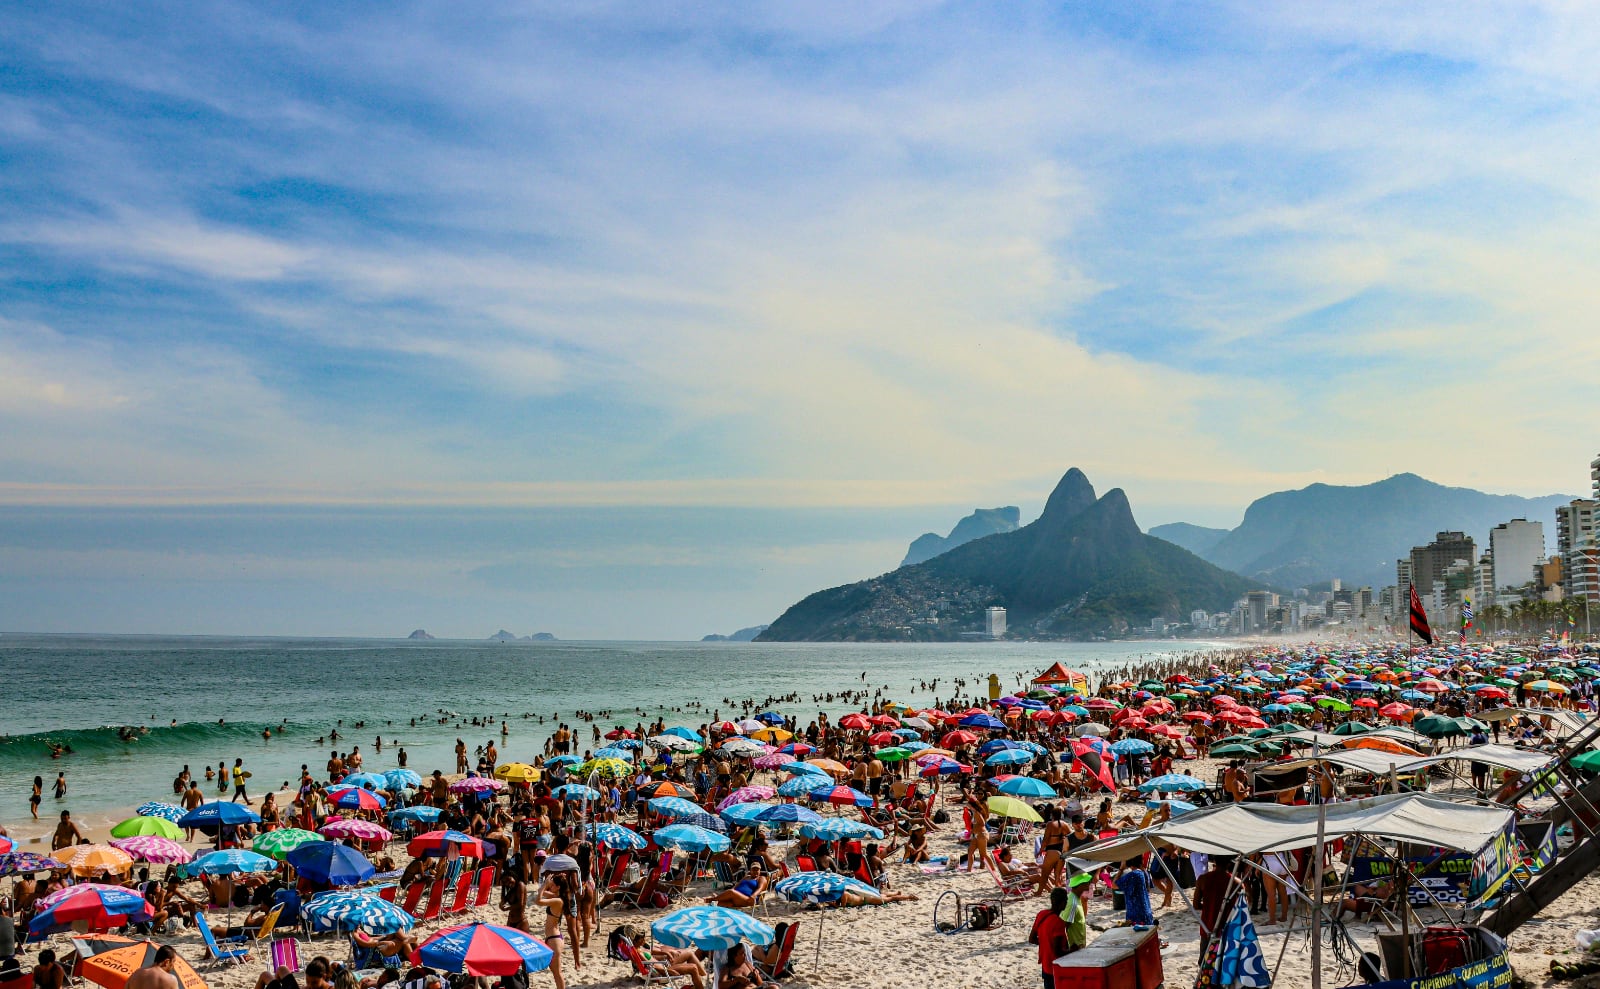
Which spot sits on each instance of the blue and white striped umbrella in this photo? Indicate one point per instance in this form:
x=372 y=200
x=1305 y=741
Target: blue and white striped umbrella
x=799 y=786
x=1009 y=757
x=401 y=779
x=1027 y=786
x=704 y=820
x=575 y=791
x=232 y=860
x=627 y=743
x=618 y=837
x=1240 y=962
x=914 y=746
x=790 y=813
x=167 y=812
x=838 y=828
x=563 y=760
x=819 y=886
x=347 y=911
x=1178 y=806
x=1172 y=783
x=745 y=815
x=805 y=769
x=408 y=815
x=690 y=838
x=366 y=780
x=709 y=929
x=675 y=807
x=1132 y=746
x=612 y=752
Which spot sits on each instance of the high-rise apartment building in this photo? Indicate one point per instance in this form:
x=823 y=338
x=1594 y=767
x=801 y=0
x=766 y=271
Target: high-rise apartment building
x=1515 y=548
x=1576 y=544
x=1429 y=563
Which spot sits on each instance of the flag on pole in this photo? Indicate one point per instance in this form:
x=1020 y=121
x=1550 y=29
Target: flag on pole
x=1419 y=618
x=1466 y=618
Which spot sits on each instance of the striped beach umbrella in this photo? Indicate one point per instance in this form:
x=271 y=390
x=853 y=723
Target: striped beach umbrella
x=614 y=752
x=691 y=838
x=355 y=829
x=485 y=950
x=154 y=849
x=155 y=808
x=617 y=837
x=233 y=860
x=158 y=826
x=775 y=760
x=840 y=796
x=675 y=807
x=1173 y=783
x=744 y=748
x=804 y=769
x=281 y=842
x=822 y=887
x=401 y=779
x=746 y=794
x=840 y=829
x=747 y=815
x=477 y=784
x=800 y=786
x=97 y=860
x=789 y=814
x=211 y=818
x=709 y=928
x=347 y=911
x=703 y=820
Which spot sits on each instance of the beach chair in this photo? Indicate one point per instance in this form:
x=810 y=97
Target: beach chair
x=780 y=967
x=285 y=953
x=269 y=924
x=1017 y=887
x=485 y=887
x=618 y=867
x=388 y=892
x=647 y=889
x=805 y=863
x=413 y=898
x=216 y=954
x=724 y=874
x=652 y=973
x=463 y=894
x=435 y=901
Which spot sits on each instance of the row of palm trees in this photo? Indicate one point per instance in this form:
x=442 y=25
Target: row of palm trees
x=1537 y=616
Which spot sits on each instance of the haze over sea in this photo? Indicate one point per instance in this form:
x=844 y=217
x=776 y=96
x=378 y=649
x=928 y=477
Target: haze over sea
x=76 y=689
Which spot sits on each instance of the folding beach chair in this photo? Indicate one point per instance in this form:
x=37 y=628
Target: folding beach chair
x=780 y=968
x=653 y=973
x=269 y=923
x=435 y=901
x=413 y=897
x=485 y=887
x=285 y=953
x=1015 y=887
x=215 y=953
x=462 y=895
x=388 y=892
x=616 y=870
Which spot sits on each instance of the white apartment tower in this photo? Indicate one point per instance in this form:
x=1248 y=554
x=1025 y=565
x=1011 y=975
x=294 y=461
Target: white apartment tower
x=1515 y=548
x=994 y=623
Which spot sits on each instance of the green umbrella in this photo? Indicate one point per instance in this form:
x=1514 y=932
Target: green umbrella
x=1334 y=704
x=158 y=826
x=1352 y=728
x=277 y=844
x=1235 y=749
x=892 y=754
x=1436 y=726
x=1301 y=706
x=1588 y=761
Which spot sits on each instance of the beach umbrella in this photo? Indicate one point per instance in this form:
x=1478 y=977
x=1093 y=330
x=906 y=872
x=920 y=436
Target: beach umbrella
x=704 y=820
x=26 y=863
x=282 y=841
x=154 y=849
x=820 y=887
x=1176 y=806
x=563 y=760
x=1028 y=787
x=747 y=794
x=673 y=743
x=213 y=817
x=773 y=735
x=158 y=826
x=957 y=738
x=940 y=766
x=614 y=752
x=518 y=772
x=788 y=814
x=99 y=906
x=485 y=950
x=1239 y=961
x=331 y=864
x=709 y=928
x=665 y=788
x=366 y=781
x=440 y=843
x=1588 y=761
x=801 y=785
x=95 y=860
x=110 y=960
x=986 y=721
x=893 y=753
x=354 y=829
x=347 y=910
x=414 y=815
x=744 y=748
x=1352 y=728
x=840 y=828
x=575 y=791
x=1012 y=807
x=691 y=838
x=1009 y=757
x=610 y=769
x=617 y=837
x=401 y=779
x=1235 y=749
x=155 y=808
x=674 y=807
x=751 y=724
x=477 y=784
x=801 y=749
x=744 y=815
x=1091 y=728
x=1132 y=746
x=355 y=798
x=840 y=796
x=232 y=860
x=830 y=767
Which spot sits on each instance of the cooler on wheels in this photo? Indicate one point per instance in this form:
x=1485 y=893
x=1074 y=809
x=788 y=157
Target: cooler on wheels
x=1122 y=958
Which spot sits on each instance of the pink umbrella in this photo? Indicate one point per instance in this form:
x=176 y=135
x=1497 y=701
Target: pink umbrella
x=359 y=830
x=772 y=760
x=154 y=849
x=477 y=784
x=747 y=794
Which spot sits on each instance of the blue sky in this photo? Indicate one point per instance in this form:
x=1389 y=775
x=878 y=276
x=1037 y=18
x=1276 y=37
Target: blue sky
x=705 y=306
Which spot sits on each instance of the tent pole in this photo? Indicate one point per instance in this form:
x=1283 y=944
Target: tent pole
x=1174 y=880
x=1316 y=894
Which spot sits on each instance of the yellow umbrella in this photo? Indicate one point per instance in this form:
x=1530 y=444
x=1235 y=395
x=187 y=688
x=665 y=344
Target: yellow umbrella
x=517 y=772
x=1012 y=807
x=773 y=735
x=92 y=860
x=608 y=768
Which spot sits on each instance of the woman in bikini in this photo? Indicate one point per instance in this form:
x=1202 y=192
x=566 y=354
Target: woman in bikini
x=558 y=894
x=1053 y=849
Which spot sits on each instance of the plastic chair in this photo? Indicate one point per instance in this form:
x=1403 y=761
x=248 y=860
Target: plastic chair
x=285 y=953
x=388 y=893
x=650 y=971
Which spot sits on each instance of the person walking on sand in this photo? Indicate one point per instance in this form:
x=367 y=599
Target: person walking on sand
x=239 y=778
x=66 y=834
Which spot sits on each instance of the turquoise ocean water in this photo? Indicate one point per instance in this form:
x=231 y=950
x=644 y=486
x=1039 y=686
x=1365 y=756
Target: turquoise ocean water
x=76 y=691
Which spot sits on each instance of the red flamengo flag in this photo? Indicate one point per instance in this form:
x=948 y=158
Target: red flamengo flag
x=1419 y=618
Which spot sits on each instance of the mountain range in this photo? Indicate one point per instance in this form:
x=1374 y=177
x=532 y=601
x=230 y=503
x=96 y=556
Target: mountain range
x=1083 y=568
x=982 y=522
x=1355 y=533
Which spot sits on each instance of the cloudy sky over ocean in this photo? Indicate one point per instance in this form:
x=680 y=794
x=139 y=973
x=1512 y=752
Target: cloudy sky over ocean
x=643 y=320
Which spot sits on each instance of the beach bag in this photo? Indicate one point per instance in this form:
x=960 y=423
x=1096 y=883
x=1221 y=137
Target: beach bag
x=982 y=917
x=941 y=817
x=659 y=899
x=620 y=933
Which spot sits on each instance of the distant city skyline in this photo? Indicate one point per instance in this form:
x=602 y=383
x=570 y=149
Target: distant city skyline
x=643 y=321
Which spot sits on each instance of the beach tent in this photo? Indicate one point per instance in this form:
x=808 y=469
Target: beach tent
x=1060 y=676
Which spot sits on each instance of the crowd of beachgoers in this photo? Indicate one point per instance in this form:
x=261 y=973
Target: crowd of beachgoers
x=759 y=845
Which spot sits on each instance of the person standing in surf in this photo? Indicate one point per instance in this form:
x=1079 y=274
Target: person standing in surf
x=239 y=778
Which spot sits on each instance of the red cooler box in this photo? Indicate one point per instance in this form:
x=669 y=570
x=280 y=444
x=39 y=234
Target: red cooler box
x=1122 y=958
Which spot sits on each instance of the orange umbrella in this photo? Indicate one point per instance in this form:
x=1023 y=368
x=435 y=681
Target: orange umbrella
x=94 y=860
x=110 y=960
x=1381 y=744
x=836 y=768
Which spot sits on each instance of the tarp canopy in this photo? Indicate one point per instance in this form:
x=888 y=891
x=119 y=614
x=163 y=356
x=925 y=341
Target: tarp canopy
x=1328 y=741
x=1562 y=721
x=1378 y=763
x=1245 y=829
x=1058 y=674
